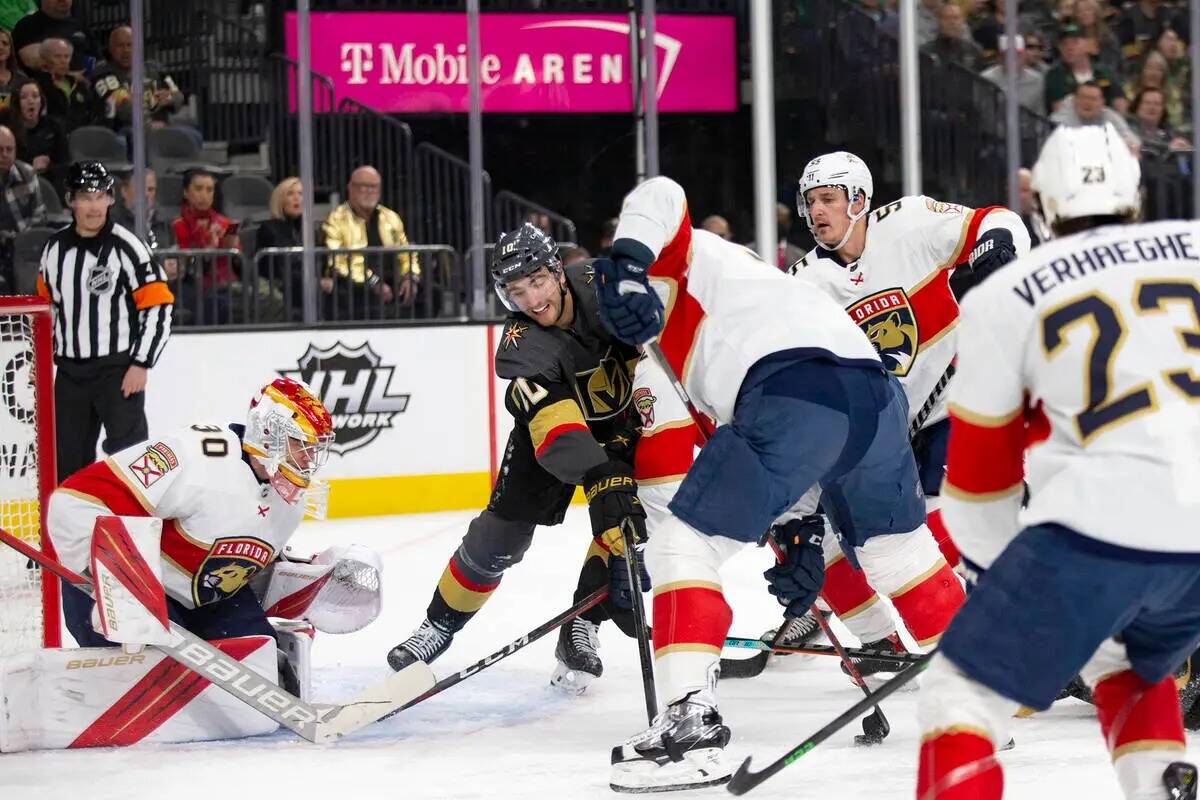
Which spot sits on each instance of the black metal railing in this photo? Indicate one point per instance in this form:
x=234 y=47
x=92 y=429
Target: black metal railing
x=510 y=209
x=443 y=191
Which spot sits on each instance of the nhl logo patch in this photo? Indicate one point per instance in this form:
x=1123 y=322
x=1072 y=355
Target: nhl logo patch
x=888 y=320
x=229 y=565
x=99 y=279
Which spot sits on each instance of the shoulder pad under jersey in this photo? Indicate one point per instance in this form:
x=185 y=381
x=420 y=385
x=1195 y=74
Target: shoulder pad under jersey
x=527 y=350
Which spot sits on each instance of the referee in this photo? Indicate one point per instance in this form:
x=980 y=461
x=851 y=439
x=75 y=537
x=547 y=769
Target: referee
x=112 y=317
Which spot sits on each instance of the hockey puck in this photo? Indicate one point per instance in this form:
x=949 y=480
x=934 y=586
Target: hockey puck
x=868 y=739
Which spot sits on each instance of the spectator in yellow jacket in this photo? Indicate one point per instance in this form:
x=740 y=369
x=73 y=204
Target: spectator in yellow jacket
x=362 y=221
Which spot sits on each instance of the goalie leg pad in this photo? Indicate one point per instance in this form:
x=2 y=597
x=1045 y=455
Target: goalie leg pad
x=131 y=604
x=691 y=617
x=101 y=697
x=294 y=640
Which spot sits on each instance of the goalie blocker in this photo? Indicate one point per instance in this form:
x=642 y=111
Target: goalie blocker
x=104 y=696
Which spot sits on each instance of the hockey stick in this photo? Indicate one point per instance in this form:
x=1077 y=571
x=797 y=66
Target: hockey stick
x=931 y=401
x=745 y=779
x=316 y=723
x=753 y=666
x=642 y=633
x=504 y=652
x=901 y=660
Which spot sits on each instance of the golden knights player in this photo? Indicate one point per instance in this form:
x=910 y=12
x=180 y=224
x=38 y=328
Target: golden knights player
x=569 y=396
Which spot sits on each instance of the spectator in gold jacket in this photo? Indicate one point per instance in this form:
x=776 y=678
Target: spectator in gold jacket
x=362 y=221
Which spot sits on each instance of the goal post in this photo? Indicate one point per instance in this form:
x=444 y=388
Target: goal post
x=30 y=615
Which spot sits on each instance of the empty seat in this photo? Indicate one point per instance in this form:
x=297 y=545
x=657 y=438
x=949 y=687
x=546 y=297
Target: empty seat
x=50 y=196
x=92 y=142
x=27 y=256
x=170 y=195
x=246 y=197
x=171 y=149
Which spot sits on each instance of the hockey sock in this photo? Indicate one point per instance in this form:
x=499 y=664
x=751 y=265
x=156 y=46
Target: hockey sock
x=856 y=604
x=910 y=570
x=460 y=593
x=1143 y=728
x=942 y=536
x=691 y=619
x=958 y=764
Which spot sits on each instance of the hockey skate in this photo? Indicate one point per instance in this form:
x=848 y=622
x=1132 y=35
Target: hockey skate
x=796 y=633
x=882 y=670
x=426 y=644
x=1180 y=780
x=683 y=749
x=578 y=659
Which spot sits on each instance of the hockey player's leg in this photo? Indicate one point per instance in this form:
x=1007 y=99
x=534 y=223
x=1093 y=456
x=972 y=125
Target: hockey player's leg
x=1141 y=721
x=910 y=570
x=857 y=605
x=577 y=653
x=929 y=448
x=961 y=722
x=684 y=747
x=492 y=545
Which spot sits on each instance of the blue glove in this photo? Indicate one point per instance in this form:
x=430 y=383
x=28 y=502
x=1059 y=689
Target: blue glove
x=619 y=591
x=628 y=306
x=992 y=250
x=797 y=579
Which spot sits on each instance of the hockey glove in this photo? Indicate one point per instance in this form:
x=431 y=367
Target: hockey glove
x=612 y=498
x=628 y=306
x=619 y=588
x=797 y=579
x=992 y=251
x=970 y=571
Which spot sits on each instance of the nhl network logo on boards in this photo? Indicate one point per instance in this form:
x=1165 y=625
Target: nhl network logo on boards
x=354 y=385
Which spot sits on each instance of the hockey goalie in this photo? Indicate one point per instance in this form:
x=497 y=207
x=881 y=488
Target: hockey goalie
x=192 y=528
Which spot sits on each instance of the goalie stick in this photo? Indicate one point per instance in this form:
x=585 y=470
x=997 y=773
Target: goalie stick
x=314 y=722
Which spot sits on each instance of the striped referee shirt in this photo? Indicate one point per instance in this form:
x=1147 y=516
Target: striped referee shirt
x=109 y=295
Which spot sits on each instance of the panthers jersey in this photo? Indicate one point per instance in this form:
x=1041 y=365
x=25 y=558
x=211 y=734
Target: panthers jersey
x=898 y=292
x=1079 y=369
x=725 y=308
x=221 y=525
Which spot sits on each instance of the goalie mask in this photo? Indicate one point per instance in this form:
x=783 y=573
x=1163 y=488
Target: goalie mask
x=1084 y=177
x=519 y=254
x=289 y=431
x=845 y=171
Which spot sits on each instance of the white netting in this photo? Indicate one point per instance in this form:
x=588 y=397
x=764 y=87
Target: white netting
x=20 y=584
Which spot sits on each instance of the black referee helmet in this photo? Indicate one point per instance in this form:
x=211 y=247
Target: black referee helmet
x=89 y=176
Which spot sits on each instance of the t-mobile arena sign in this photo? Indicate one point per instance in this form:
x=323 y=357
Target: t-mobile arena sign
x=530 y=62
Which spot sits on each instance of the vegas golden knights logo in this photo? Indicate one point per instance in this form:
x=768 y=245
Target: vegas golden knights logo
x=888 y=321
x=604 y=391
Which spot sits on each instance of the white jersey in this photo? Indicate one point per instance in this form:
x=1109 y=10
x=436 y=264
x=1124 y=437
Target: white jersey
x=898 y=291
x=1085 y=354
x=221 y=526
x=725 y=308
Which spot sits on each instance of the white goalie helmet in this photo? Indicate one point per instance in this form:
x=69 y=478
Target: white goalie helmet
x=289 y=431
x=1085 y=172
x=843 y=170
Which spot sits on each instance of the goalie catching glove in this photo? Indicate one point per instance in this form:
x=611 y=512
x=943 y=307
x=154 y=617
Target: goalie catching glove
x=612 y=499
x=797 y=579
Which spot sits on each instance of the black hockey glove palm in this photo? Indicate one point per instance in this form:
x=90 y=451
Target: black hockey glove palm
x=612 y=498
x=992 y=251
x=628 y=306
x=797 y=579
x=620 y=591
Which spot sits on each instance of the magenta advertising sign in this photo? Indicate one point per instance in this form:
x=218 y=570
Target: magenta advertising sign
x=397 y=62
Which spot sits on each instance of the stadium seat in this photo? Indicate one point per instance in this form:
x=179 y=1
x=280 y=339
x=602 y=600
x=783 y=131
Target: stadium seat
x=27 y=256
x=171 y=150
x=246 y=197
x=96 y=143
x=170 y=195
x=50 y=196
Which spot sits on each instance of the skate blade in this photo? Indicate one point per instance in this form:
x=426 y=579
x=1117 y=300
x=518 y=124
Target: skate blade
x=698 y=769
x=570 y=681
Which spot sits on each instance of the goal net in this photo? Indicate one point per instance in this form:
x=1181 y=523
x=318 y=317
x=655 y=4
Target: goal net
x=29 y=616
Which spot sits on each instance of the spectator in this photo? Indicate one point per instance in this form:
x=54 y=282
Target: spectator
x=10 y=75
x=362 y=221
x=1151 y=74
x=1087 y=108
x=540 y=220
x=1035 y=57
x=1178 y=86
x=69 y=99
x=53 y=21
x=12 y=11
x=1075 y=68
x=112 y=79
x=573 y=254
x=1099 y=40
x=41 y=140
x=23 y=207
x=718 y=225
x=989 y=29
x=1139 y=27
x=786 y=253
x=200 y=227
x=608 y=232
x=927 y=20
x=158 y=231
x=953 y=44
x=1026 y=203
x=1031 y=84
x=284 y=229
x=1149 y=121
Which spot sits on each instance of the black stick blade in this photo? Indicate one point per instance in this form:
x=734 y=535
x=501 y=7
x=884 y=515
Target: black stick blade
x=744 y=667
x=743 y=780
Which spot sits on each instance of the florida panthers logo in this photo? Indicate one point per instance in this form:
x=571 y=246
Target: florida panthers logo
x=888 y=321
x=643 y=400
x=229 y=565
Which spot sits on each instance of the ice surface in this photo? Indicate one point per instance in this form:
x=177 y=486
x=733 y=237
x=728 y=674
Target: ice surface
x=504 y=733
